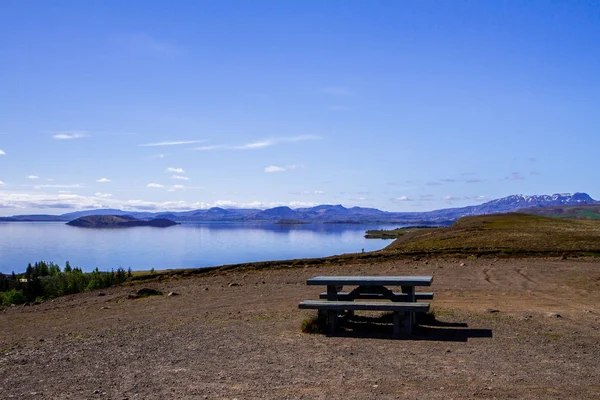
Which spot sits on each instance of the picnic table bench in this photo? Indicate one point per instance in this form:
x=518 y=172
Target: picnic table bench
x=371 y=288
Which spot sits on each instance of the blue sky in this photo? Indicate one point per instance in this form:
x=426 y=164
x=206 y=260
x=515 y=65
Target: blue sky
x=399 y=105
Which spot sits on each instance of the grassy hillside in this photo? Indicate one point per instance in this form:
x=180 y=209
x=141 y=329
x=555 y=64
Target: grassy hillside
x=512 y=233
x=588 y=211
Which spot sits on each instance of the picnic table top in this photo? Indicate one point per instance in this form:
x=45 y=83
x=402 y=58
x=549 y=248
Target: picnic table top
x=371 y=280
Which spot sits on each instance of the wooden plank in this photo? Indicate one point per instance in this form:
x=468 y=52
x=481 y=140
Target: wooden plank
x=371 y=280
x=378 y=296
x=367 y=306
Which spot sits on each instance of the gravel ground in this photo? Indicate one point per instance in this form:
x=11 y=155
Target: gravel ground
x=522 y=328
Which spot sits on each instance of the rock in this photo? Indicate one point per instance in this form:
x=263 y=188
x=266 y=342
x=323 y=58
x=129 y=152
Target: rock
x=553 y=315
x=172 y=294
x=148 y=292
x=492 y=311
x=101 y=294
x=462 y=264
x=234 y=284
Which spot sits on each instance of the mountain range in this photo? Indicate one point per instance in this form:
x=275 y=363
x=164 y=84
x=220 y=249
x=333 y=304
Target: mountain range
x=335 y=213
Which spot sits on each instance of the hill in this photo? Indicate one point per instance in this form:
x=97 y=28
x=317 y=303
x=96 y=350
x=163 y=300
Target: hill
x=588 y=211
x=118 y=221
x=512 y=233
x=336 y=213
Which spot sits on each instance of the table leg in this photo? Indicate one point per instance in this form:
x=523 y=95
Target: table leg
x=332 y=315
x=411 y=298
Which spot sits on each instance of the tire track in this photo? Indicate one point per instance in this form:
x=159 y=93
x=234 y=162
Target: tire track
x=519 y=271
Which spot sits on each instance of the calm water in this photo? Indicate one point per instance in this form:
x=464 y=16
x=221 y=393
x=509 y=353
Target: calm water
x=182 y=246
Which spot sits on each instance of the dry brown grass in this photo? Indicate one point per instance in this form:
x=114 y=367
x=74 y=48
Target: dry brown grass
x=512 y=233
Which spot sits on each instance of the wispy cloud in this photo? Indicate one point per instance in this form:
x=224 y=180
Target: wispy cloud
x=144 y=43
x=103 y=195
x=171 y=143
x=403 y=198
x=33 y=177
x=155 y=185
x=337 y=91
x=40 y=200
x=212 y=147
x=339 y=108
x=2 y=153
x=2 y=183
x=474 y=180
x=68 y=135
x=180 y=177
x=103 y=180
x=515 y=176
x=175 y=187
x=449 y=198
x=176 y=170
x=259 y=144
x=73 y=186
x=275 y=168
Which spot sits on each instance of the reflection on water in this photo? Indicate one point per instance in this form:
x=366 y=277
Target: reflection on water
x=189 y=245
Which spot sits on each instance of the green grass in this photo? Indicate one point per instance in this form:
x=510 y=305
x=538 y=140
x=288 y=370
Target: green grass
x=587 y=211
x=505 y=234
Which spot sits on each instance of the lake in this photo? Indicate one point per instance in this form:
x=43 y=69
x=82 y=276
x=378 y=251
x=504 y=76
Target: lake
x=190 y=245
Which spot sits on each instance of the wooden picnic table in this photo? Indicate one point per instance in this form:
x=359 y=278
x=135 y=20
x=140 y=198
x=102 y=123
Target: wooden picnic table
x=371 y=287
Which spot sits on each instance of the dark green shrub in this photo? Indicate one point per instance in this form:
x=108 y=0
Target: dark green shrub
x=13 y=296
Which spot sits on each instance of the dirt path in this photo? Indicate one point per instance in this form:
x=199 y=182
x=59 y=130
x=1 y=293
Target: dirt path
x=237 y=335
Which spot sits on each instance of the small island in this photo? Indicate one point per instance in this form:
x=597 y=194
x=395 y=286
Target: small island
x=289 y=221
x=119 y=221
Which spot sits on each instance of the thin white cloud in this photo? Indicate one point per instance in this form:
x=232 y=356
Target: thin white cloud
x=176 y=170
x=73 y=186
x=155 y=185
x=144 y=43
x=2 y=153
x=403 y=198
x=103 y=180
x=33 y=177
x=68 y=135
x=274 y=168
x=173 y=143
x=515 y=176
x=103 y=195
x=261 y=144
x=213 y=147
x=40 y=200
x=180 y=177
x=449 y=198
x=2 y=183
x=337 y=91
x=255 y=145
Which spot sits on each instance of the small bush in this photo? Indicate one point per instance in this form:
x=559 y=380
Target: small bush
x=13 y=296
x=316 y=323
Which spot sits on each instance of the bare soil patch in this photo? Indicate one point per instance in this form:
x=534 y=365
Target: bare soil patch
x=507 y=328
